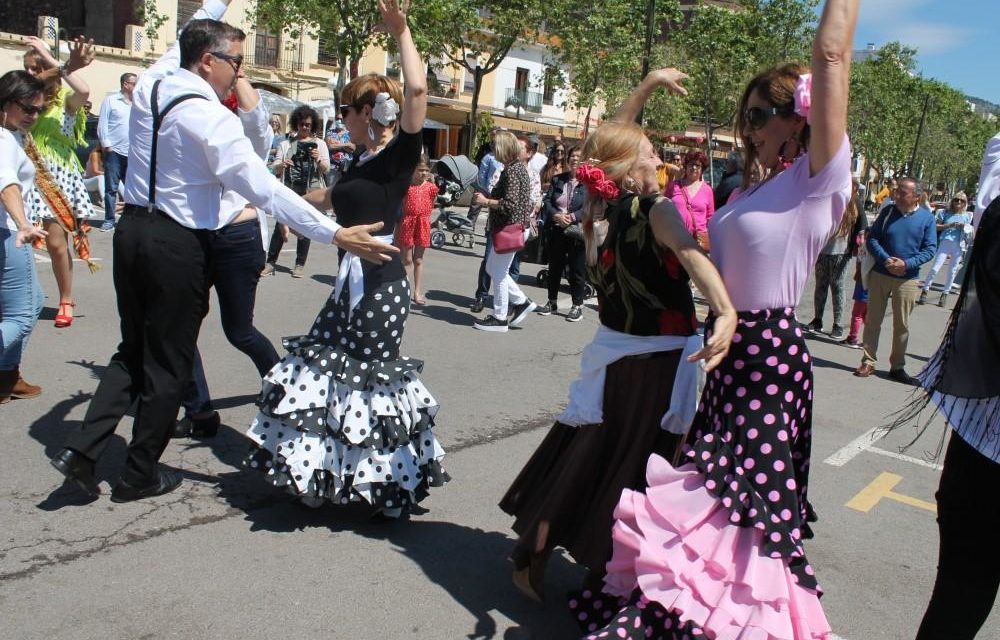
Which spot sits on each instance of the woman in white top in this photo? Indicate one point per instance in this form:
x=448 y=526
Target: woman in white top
x=22 y=99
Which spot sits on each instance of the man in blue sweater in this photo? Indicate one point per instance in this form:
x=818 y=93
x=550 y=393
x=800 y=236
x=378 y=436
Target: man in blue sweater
x=901 y=239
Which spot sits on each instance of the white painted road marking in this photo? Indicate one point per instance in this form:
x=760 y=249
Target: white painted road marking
x=865 y=442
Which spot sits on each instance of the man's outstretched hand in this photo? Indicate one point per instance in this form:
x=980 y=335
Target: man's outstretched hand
x=359 y=241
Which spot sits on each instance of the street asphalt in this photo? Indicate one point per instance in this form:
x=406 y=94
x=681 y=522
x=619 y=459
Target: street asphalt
x=227 y=556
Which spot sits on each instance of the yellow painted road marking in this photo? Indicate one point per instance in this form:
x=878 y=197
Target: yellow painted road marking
x=882 y=487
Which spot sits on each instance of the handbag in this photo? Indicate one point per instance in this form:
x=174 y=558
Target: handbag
x=700 y=237
x=574 y=232
x=508 y=238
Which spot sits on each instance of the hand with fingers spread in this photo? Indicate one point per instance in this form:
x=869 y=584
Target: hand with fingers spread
x=358 y=240
x=670 y=79
x=393 y=16
x=81 y=53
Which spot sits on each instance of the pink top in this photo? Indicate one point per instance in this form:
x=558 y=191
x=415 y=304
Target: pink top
x=765 y=242
x=696 y=210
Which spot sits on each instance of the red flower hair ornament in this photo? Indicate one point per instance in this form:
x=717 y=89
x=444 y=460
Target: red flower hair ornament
x=596 y=182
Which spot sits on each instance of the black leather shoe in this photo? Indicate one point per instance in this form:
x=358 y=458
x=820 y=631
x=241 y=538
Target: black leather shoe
x=76 y=467
x=900 y=375
x=166 y=481
x=189 y=427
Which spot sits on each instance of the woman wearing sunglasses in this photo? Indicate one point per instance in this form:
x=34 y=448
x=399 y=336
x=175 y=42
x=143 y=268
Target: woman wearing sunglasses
x=343 y=417
x=952 y=242
x=21 y=100
x=61 y=199
x=694 y=197
x=557 y=165
x=736 y=500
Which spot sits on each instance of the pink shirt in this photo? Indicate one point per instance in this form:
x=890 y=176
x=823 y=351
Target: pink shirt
x=696 y=210
x=765 y=242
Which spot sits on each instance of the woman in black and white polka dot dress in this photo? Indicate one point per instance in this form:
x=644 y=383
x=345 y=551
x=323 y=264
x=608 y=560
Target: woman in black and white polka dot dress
x=56 y=134
x=343 y=417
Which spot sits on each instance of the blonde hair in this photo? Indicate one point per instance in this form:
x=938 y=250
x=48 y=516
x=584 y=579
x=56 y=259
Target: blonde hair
x=363 y=89
x=614 y=149
x=506 y=147
x=777 y=86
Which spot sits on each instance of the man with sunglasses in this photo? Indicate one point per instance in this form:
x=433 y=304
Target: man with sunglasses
x=951 y=228
x=185 y=149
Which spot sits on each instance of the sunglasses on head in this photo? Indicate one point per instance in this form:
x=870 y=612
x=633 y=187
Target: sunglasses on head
x=236 y=60
x=757 y=117
x=30 y=109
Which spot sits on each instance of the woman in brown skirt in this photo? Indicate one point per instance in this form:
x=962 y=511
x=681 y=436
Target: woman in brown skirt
x=638 y=387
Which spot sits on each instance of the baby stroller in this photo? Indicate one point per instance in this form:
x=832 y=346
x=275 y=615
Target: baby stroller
x=453 y=176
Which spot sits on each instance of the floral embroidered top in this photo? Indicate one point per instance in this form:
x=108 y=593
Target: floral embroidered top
x=642 y=289
x=514 y=193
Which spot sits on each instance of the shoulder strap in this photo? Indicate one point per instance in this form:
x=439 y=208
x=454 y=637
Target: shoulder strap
x=158 y=117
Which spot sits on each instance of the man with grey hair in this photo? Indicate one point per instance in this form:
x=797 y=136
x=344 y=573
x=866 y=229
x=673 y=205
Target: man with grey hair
x=902 y=238
x=732 y=178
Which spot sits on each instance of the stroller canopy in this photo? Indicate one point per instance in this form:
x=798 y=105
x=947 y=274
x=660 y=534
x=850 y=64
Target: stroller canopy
x=457 y=169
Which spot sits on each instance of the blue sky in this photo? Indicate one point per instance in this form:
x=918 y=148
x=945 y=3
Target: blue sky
x=956 y=39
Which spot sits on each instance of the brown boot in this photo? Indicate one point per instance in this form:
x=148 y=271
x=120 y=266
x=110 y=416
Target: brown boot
x=12 y=385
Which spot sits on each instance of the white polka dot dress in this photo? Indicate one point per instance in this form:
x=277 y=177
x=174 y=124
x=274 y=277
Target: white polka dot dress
x=343 y=417
x=62 y=163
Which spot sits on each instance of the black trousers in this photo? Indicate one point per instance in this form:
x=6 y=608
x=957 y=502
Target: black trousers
x=277 y=242
x=160 y=275
x=968 y=573
x=565 y=251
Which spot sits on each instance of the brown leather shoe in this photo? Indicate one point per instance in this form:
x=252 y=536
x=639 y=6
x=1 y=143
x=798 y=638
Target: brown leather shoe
x=24 y=389
x=864 y=370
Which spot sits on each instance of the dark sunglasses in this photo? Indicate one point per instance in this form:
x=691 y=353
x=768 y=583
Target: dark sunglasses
x=30 y=109
x=237 y=60
x=959 y=200
x=757 y=117
x=345 y=109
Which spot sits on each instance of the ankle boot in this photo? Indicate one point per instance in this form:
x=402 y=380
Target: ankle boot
x=24 y=389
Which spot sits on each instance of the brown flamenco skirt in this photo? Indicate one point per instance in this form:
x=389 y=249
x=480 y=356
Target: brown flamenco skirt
x=566 y=494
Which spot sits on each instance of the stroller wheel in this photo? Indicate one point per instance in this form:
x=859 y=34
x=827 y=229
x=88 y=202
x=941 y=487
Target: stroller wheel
x=437 y=239
x=542 y=279
x=458 y=237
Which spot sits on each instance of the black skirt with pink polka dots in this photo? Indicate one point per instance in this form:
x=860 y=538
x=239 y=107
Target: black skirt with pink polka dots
x=751 y=438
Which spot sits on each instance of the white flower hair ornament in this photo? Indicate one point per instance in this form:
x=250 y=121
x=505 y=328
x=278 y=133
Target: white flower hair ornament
x=386 y=109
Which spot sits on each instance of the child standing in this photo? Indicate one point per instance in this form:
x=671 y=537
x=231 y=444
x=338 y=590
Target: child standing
x=860 y=299
x=415 y=229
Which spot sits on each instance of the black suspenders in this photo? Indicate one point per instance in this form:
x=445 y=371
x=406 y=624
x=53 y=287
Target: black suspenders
x=157 y=121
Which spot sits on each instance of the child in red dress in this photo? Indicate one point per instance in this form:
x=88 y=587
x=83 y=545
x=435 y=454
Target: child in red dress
x=415 y=229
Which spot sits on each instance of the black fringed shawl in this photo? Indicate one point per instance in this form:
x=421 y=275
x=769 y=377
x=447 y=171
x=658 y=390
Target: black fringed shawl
x=966 y=367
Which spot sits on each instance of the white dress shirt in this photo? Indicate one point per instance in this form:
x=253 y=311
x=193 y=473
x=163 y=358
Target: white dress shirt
x=112 y=125
x=538 y=162
x=258 y=131
x=15 y=168
x=202 y=151
x=989 y=178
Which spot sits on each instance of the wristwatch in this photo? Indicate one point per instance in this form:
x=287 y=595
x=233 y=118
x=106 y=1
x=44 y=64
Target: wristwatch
x=64 y=70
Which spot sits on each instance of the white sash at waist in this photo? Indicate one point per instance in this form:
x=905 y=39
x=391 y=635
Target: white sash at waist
x=586 y=394
x=352 y=273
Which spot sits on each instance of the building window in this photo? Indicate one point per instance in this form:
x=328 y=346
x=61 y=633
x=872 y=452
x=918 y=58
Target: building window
x=266 y=47
x=328 y=53
x=185 y=10
x=470 y=77
x=521 y=79
x=549 y=88
x=392 y=66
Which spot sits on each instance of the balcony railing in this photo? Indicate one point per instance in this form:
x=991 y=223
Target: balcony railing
x=524 y=100
x=265 y=51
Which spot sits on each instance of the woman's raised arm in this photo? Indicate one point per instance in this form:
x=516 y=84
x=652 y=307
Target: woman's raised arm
x=831 y=79
x=414 y=76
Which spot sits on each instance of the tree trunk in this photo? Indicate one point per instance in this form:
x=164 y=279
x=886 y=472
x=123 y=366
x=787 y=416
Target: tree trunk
x=586 y=123
x=477 y=75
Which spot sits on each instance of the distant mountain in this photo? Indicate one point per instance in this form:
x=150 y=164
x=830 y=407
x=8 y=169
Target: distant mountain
x=984 y=106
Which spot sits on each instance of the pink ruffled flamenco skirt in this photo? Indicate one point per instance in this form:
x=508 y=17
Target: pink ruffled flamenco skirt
x=681 y=569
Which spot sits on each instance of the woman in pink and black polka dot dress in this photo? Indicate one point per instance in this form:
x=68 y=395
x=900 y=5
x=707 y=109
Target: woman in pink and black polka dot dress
x=713 y=547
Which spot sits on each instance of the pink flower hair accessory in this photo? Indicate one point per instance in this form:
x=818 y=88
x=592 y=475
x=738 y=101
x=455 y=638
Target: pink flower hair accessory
x=597 y=182
x=803 y=96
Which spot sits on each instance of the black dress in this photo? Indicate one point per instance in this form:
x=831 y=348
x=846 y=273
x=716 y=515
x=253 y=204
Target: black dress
x=343 y=417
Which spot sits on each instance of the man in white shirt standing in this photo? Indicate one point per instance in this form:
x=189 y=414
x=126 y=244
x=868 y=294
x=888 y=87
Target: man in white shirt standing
x=538 y=160
x=112 y=132
x=185 y=149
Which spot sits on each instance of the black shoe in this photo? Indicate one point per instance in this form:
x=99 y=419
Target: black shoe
x=575 y=313
x=521 y=311
x=76 y=467
x=900 y=375
x=548 y=308
x=477 y=306
x=815 y=326
x=837 y=333
x=923 y=298
x=189 y=427
x=166 y=481
x=491 y=323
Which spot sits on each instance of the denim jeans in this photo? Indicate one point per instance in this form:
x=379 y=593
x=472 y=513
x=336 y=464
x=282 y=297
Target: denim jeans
x=20 y=299
x=115 y=168
x=236 y=258
x=302 y=244
x=484 y=282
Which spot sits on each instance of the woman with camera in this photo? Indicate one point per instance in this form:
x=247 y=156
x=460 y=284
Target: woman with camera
x=300 y=164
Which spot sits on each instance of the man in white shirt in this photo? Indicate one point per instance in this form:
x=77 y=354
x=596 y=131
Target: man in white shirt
x=538 y=159
x=161 y=245
x=112 y=132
